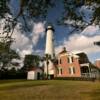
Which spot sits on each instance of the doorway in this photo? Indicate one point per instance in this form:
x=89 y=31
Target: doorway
x=38 y=76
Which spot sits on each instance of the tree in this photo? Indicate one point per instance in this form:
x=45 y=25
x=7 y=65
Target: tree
x=28 y=9
x=37 y=9
x=31 y=61
x=4 y=8
x=47 y=59
x=76 y=18
x=7 y=54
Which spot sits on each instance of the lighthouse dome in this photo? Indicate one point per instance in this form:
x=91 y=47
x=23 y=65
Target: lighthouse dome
x=50 y=27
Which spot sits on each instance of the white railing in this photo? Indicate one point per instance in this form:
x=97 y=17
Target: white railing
x=85 y=74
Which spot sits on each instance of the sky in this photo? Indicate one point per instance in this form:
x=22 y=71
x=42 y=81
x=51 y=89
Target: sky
x=34 y=42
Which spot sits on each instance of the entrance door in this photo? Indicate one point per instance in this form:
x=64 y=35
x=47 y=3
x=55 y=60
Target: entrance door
x=38 y=76
x=51 y=76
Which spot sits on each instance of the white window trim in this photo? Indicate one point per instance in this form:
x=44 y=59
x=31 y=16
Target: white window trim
x=72 y=70
x=59 y=71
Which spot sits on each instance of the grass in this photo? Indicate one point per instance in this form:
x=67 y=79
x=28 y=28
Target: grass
x=49 y=90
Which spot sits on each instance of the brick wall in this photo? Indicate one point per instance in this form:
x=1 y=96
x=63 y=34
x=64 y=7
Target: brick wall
x=66 y=68
x=97 y=63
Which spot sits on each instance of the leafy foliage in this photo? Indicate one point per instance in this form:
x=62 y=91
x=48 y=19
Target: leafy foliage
x=6 y=54
x=75 y=17
x=4 y=8
x=28 y=9
x=31 y=61
x=12 y=74
x=34 y=8
x=37 y=9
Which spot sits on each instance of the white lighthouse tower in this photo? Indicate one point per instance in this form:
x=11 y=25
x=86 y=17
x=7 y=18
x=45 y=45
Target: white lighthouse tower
x=49 y=52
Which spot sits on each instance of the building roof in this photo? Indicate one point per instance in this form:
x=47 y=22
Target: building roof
x=83 y=58
x=93 y=66
x=35 y=68
x=63 y=51
x=50 y=27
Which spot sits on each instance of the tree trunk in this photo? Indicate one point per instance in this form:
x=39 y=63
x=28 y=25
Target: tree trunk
x=47 y=69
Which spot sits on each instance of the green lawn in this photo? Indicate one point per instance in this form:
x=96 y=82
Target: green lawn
x=49 y=90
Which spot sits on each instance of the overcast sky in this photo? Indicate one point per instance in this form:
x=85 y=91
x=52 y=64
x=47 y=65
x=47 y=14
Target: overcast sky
x=34 y=42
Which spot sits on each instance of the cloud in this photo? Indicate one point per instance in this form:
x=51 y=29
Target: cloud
x=21 y=43
x=38 y=32
x=91 y=30
x=87 y=12
x=25 y=45
x=81 y=42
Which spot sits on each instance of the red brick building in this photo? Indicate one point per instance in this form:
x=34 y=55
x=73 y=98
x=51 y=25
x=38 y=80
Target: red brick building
x=68 y=65
x=75 y=65
x=97 y=63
